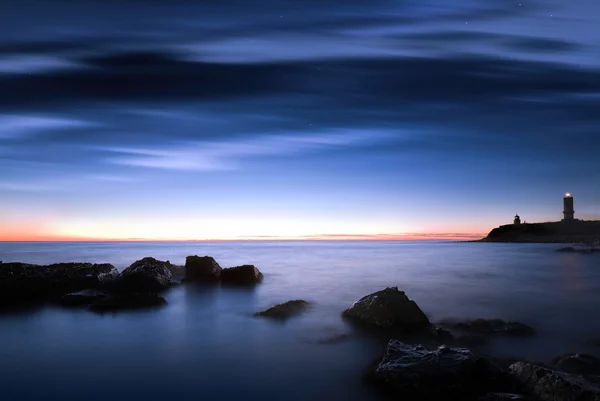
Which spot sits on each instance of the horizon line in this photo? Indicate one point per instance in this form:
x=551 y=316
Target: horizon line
x=318 y=237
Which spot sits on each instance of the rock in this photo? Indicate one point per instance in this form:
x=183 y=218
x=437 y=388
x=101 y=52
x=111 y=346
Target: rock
x=22 y=282
x=84 y=297
x=285 y=310
x=419 y=373
x=201 y=269
x=145 y=275
x=503 y=397
x=388 y=308
x=128 y=302
x=568 y=249
x=490 y=327
x=241 y=275
x=581 y=364
x=550 y=385
x=441 y=335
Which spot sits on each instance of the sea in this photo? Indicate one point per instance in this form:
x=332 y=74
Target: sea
x=206 y=344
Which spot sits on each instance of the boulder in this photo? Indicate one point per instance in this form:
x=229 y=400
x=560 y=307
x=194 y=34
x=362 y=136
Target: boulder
x=84 y=297
x=23 y=282
x=201 y=269
x=241 y=275
x=419 y=373
x=490 y=327
x=285 y=310
x=145 y=275
x=581 y=364
x=388 y=308
x=121 y=302
x=550 y=385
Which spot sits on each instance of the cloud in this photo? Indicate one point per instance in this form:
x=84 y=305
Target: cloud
x=23 y=64
x=18 y=126
x=207 y=156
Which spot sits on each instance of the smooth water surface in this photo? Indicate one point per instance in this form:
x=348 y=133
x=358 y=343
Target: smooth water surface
x=206 y=345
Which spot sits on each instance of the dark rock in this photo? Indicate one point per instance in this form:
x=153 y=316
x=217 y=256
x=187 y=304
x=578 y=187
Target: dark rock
x=490 y=326
x=503 y=397
x=145 y=275
x=84 y=297
x=201 y=269
x=581 y=364
x=285 y=310
x=550 y=385
x=388 y=308
x=441 y=335
x=568 y=249
x=419 y=373
x=128 y=302
x=241 y=275
x=22 y=282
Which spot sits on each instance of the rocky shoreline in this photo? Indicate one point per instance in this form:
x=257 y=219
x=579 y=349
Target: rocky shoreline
x=422 y=360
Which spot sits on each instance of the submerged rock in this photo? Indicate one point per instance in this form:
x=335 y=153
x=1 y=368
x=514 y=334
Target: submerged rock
x=241 y=275
x=201 y=269
x=285 y=310
x=23 y=282
x=490 y=327
x=388 y=308
x=145 y=275
x=84 y=297
x=419 y=373
x=581 y=364
x=550 y=385
x=568 y=249
x=128 y=302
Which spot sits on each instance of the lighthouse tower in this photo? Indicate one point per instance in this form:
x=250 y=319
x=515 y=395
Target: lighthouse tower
x=568 y=211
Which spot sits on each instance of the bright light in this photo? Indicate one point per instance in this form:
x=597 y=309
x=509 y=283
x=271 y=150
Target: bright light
x=568 y=195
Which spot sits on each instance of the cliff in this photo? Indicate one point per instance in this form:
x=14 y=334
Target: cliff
x=577 y=231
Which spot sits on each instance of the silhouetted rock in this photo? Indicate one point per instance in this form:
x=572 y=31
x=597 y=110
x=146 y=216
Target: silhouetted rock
x=574 y=232
x=441 y=335
x=22 y=282
x=568 y=249
x=201 y=269
x=581 y=364
x=285 y=310
x=128 y=302
x=414 y=372
x=490 y=326
x=241 y=275
x=145 y=275
x=84 y=297
x=388 y=308
x=550 y=385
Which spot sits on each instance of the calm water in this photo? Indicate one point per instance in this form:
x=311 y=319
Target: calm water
x=206 y=344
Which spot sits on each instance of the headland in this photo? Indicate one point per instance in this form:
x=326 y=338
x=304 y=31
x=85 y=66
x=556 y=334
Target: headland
x=577 y=231
x=568 y=230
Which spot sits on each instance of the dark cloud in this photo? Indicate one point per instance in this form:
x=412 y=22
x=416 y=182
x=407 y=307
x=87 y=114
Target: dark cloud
x=157 y=77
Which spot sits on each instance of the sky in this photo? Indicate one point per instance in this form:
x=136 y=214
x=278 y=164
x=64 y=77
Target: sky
x=275 y=119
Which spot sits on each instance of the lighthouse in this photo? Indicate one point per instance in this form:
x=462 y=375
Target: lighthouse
x=568 y=211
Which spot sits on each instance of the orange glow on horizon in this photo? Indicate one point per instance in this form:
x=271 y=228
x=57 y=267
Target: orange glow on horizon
x=44 y=237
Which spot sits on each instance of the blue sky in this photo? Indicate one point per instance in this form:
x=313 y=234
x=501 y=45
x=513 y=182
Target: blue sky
x=226 y=119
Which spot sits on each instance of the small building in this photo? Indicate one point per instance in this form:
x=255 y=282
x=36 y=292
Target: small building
x=517 y=220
